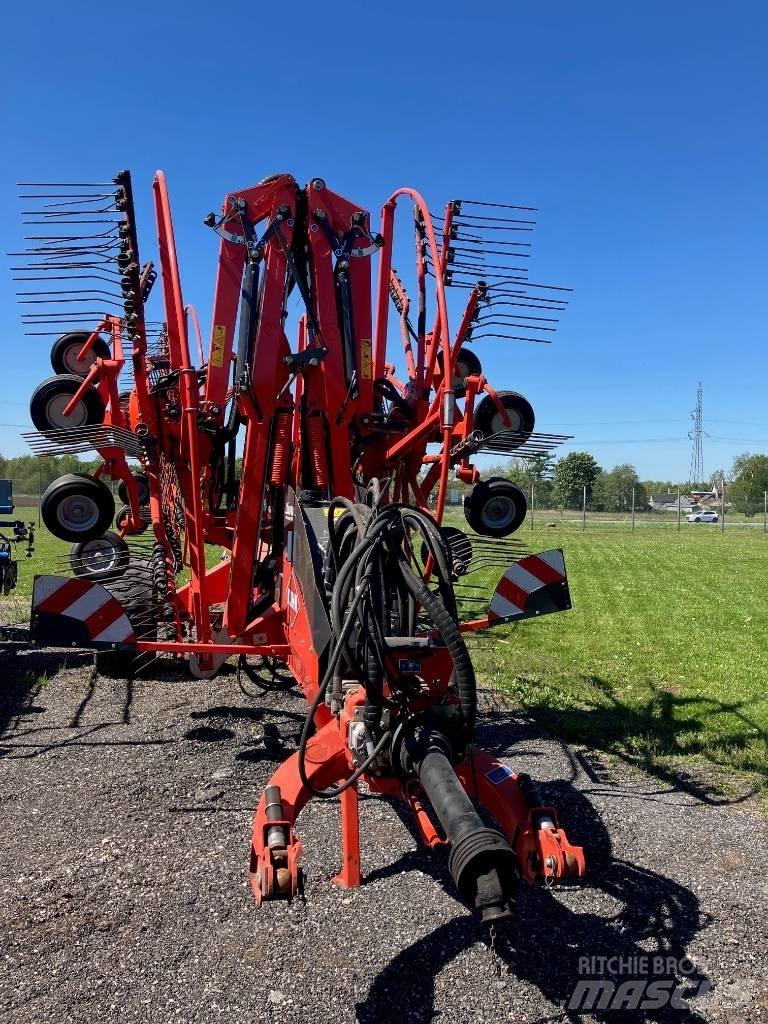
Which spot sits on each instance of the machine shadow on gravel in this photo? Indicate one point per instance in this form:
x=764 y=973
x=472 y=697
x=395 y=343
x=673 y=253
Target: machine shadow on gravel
x=542 y=944
x=24 y=673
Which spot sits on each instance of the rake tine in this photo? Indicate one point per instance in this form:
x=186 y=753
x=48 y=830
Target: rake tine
x=67 y=277
x=548 y=287
x=482 y=243
x=498 y=206
x=460 y=225
x=112 y=299
x=52 y=212
x=78 y=199
x=53 y=239
x=470 y=267
x=74 y=291
x=42 y=223
x=508 y=323
x=65 y=184
x=553 y=303
x=487 y=318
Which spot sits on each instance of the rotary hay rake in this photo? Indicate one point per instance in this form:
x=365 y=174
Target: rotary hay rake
x=336 y=573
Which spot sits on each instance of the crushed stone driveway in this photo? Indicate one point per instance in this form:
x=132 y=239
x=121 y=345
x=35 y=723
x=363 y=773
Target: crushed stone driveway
x=126 y=811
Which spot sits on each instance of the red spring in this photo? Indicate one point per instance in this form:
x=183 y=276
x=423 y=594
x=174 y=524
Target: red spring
x=317 y=453
x=281 y=449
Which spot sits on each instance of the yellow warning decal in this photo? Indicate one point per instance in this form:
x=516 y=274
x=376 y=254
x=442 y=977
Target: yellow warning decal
x=217 y=344
x=366 y=369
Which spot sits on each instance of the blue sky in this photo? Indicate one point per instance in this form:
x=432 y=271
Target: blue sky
x=639 y=130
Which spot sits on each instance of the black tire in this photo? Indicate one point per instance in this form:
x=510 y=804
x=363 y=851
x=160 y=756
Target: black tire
x=122 y=517
x=101 y=559
x=10 y=575
x=143 y=485
x=77 y=507
x=495 y=507
x=467 y=365
x=135 y=595
x=488 y=420
x=66 y=347
x=52 y=396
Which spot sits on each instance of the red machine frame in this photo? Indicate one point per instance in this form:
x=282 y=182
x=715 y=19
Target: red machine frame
x=325 y=420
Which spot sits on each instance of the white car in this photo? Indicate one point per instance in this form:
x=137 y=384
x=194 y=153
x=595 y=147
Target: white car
x=702 y=517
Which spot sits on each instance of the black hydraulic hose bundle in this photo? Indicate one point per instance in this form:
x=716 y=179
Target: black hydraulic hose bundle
x=381 y=563
x=375 y=586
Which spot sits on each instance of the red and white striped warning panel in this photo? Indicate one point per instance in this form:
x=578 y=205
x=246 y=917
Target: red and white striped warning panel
x=535 y=585
x=75 y=613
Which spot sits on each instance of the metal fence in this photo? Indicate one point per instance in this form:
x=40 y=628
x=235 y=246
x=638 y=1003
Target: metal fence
x=542 y=514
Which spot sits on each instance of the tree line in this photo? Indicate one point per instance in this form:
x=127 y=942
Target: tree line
x=561 y=483
x=31 y=475
x=556 y=483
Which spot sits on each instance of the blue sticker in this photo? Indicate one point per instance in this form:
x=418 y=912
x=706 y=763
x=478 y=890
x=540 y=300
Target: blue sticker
x=409 y=664
x=499 y=773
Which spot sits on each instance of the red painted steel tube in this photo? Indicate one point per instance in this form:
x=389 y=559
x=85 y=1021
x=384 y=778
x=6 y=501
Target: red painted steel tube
x=442 y=309
x=440 y=269
x=93 y=374
x=191 y=312
x=382 y=299
x=185 y=647
x=190 y=398
x=90 y=341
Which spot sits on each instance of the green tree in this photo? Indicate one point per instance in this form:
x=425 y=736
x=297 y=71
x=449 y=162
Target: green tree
x=31 y=475
x=747 y=492
x=536 y=474
x=526 y=473
x=572 y=474
x=612 y=491
x=719 y=475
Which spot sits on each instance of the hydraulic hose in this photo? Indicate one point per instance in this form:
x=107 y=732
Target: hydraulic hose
x=333 y=661
x=445 y=623
x=372 y=586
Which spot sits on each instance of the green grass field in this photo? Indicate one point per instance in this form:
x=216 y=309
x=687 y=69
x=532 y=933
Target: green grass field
x=664 y=655
x=48 y=552
x=663 y=658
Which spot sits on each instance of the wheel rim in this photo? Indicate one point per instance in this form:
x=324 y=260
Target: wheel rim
x=461 y=372
x=99 y=555
x=75 y=365
x=54 y=412
x=498 y=512
x=71 y=361
x=77 y=513
x=515 y=421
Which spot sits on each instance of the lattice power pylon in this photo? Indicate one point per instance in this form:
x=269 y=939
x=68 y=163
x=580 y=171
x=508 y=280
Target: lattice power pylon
x=696 y=474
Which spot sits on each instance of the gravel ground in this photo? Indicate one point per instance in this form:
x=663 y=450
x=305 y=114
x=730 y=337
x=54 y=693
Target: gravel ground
x=126 y=813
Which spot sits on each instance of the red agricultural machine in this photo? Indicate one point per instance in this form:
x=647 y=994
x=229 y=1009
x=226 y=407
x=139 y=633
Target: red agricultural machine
x=315 y=467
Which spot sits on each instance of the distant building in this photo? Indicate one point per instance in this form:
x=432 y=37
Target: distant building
x=668 y=503
x=708 y=497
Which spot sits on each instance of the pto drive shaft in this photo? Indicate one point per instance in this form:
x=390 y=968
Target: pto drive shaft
x=482 y=863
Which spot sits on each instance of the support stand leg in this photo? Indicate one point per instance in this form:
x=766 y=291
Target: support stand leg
x=349 y=876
